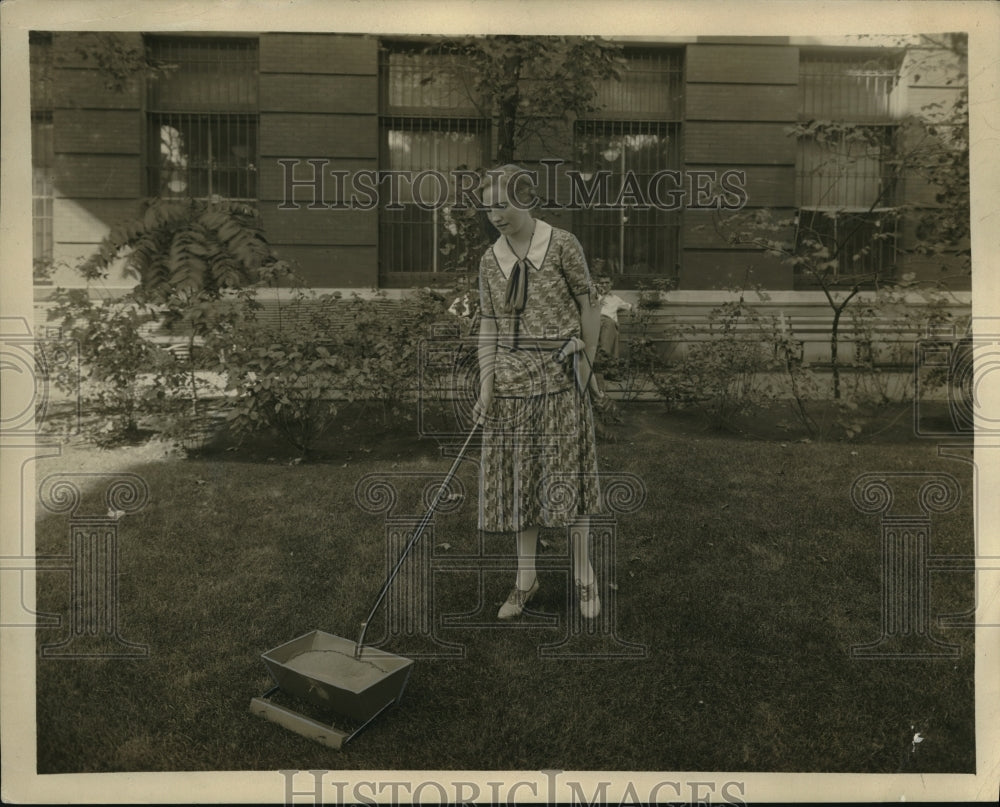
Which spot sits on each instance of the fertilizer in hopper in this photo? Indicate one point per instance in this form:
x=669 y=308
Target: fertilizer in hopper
x=337 y=668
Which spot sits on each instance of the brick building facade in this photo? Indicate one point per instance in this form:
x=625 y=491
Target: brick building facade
x=238 y=109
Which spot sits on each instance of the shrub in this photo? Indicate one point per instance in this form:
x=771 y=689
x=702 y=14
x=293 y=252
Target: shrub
x=196 y=263
x=381 y=346
x=289 y=374
x=117 y=362
x=284 y=377
x=720 y=374
x=788 y=358
x=636 y=369
x=885 y=327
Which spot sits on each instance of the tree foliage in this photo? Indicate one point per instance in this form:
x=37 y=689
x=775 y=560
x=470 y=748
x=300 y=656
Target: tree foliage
x=180 y=247
x=940 y=156
x=118 y=62
x=114 y=356
x=931 y=144
x=532 y=84
x=196 y=263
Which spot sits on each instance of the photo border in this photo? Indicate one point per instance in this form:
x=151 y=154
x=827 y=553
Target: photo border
x=671 y=19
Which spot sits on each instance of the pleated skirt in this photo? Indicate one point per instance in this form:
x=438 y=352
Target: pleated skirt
x=539 y=462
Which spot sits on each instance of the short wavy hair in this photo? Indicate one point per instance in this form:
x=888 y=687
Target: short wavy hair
x=519 y=183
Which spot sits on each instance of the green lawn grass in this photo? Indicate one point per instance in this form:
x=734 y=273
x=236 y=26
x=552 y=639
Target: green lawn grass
x=747 y=575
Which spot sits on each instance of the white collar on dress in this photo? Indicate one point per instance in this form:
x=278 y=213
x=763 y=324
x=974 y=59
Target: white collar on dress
x=536 y=254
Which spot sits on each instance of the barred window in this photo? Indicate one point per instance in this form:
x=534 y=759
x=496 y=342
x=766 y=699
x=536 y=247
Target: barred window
x=42 y=150
x=846 y=183
x=429 y=121
x=636 y=133
x=203 y=121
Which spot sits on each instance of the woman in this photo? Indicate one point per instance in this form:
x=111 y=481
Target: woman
x=539 y=463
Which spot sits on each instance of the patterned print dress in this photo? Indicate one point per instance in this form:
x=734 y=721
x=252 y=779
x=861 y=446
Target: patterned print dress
x=539 y=461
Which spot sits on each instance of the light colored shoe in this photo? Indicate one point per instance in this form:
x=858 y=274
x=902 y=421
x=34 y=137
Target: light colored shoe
x=590 y=602
x=516 y=600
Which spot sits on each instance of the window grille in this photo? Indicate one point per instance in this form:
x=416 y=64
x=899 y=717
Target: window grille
x=849 y=86
x=847 y=173
x=42 y=147
x=412 y=234
x=846 y=184
x=429 y=121
x=638 y=134
x=203 y=121
x=865 y=242
x=416 y=82
x=652 y=87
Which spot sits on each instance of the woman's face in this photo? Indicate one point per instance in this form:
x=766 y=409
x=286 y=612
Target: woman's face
x=509 y=219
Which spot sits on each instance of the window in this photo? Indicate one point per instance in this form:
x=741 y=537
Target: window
x=42 y=151
x=202 y=124
x=637 y=133
x=846 y=186
x=429 y=121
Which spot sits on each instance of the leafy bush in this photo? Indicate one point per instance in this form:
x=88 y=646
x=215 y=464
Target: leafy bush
x=381 y=345
x=284 y=377
x=885 y=326
x=720 y=373
x=788 y=357
x=197 y=264
x=180 y=246
x=289 y=374
x=116 y=359
x=635 y=370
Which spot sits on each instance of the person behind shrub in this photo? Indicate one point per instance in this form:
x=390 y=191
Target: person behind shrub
x=608 y=341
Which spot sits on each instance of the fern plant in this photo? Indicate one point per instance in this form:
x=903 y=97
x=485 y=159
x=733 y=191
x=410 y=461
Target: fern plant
x=186 y=245
x=196 y=262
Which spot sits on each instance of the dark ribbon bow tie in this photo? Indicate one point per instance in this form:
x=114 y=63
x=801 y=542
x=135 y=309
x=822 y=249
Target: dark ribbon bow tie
x=517 y=286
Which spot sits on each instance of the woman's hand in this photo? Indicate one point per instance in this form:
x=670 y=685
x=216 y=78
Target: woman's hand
x=572 y=345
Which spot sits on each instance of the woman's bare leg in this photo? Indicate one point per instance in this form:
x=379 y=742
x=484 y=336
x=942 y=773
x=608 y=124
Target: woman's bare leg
x=527 y=547
x=527 y=580
x=583 y=572
x=580 y=539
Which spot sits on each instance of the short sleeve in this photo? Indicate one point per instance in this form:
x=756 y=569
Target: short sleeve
x=485 y=298
x=574 y=266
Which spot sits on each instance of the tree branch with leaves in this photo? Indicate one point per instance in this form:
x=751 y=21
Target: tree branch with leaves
x=531 y=84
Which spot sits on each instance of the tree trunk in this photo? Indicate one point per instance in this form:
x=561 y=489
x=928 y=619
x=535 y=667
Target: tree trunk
x=191 y=375
x=507 y=111
x=834 y=339
x=505 y=132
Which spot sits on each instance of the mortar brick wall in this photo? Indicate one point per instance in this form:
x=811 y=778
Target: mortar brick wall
x=319 y=101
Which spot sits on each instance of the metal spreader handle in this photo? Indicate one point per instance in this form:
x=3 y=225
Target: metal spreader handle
x=415 y=537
